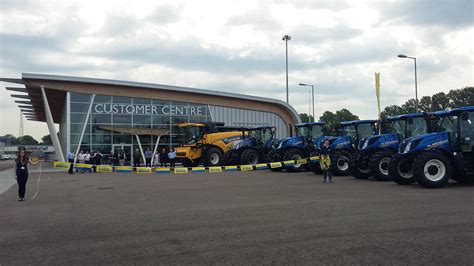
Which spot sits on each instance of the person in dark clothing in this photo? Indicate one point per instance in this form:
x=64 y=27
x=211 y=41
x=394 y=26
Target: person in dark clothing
x=115 y=159
x=70 y=159
x=148 y=155
x=325 y=162
x=96 y=159
x=163 y=158
x=21 y=171
x=136 y=158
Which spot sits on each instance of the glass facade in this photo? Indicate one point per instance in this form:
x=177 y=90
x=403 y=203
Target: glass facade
x=126 y=112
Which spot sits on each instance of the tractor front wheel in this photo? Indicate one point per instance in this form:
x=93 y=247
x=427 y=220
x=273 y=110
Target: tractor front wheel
x=340 y=162
x=432 y=170
x=378 y=164
x=401 y=170
x=294 y=154
x=356 y=168
x=213 y=157
x=250 y=156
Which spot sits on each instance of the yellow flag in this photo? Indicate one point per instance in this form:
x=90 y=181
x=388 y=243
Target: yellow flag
x=377 y=89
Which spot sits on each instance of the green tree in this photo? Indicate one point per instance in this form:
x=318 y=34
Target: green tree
x=425 y=104
x=304 y=118
x=27 y=140
x=46 y=140
x=439 y=101
x=461 y=97
x=8 y=139
x=391 y=110
x=332 y=120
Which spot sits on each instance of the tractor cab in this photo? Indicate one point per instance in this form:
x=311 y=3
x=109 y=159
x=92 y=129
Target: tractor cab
x=263 y=136
x=351 y=133
x=410 y=125
x=309 y=132
x=432 y=159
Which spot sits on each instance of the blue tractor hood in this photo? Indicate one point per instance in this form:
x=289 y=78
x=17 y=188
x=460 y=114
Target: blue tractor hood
x=435 y=140
x=296 y=141
x=380 y=141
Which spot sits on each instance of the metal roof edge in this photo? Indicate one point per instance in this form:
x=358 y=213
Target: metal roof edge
x=159 y=86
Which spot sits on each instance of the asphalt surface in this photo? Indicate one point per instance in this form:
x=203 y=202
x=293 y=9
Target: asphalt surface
x=234 y=218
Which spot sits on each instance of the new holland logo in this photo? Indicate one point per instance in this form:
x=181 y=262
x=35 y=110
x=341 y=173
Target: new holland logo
x=342 y=144
x=436 y=144
x=388 y=143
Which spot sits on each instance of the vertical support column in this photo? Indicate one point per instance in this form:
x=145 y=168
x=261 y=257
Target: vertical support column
x=86 y=121
x=141 y=148
x=52 y=129
x=154 y=151
x=68 y=121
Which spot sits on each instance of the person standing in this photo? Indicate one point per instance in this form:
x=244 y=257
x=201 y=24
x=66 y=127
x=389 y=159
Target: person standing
x=148 y=155
x=88 y=160
x=81 y=158
x=172 y=157
x=21 y=171
x=136 y=158
x=325 y=161
x=121 y=156
x=70 y=159
x=156 y=161
x=97 y=159
x=115 y=159
x=163 y=158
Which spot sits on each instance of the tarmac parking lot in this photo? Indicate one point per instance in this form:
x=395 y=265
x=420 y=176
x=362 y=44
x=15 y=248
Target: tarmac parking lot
x=257 y=217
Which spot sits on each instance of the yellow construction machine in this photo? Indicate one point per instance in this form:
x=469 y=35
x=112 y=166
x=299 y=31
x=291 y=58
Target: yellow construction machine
x=205 y=143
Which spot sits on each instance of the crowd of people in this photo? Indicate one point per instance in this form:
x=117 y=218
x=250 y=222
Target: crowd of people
x=163 y=158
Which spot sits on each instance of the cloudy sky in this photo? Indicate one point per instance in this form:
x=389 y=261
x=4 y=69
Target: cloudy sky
x=236 y=46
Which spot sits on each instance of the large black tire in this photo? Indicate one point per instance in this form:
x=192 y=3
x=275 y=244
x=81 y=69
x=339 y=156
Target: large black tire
x=378 y=165
x=355 y=167
x=340 y=162
x=401 y=170
x=462 y=177
x=294 y=154
x=189 y=163
x=250 y=156
x=432 y=170
x=314 y=166
x=231 y=158
x=213 y=157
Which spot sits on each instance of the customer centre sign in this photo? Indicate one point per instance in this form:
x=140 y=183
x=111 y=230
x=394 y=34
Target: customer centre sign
x=145 y=109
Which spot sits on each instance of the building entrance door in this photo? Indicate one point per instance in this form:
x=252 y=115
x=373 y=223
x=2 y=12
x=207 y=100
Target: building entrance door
x=127 y=150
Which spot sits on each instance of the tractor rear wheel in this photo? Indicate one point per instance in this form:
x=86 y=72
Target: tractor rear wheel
x=314 y=166
x=294 y=154
x=432 y=170
x=355 y=167
x=401 y=170
x=340 y=162
x=213 y=157
x=231 y=158
x=378 y=164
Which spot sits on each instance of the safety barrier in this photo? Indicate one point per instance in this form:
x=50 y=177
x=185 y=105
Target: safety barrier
x=183 y=170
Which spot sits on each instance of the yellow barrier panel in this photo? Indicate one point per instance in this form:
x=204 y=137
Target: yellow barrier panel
x=215 y=169
x=289 y=162
x=61 y=165
x=162 y=170
x=231 y=168
x=180 y=170
x=246 y=168
x=144 y=170
x=275 y=165
x=104 y=169
x=314 y=158
x=301 y=161
x=123 y=169
x=83 y=166
x=261 y=166
x=198 y=169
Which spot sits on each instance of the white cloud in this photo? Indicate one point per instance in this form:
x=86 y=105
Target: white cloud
x=236 y=46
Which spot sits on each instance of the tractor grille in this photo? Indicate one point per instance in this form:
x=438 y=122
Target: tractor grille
x=402 y=147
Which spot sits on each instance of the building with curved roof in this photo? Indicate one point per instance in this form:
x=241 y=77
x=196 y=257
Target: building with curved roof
x=110 y=115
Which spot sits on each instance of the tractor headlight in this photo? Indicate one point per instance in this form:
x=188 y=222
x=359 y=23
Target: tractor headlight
x=407 y=148
x=236 y=145
x=366 y=143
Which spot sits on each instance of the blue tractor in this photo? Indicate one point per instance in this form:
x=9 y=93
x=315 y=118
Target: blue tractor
x=253 y=148
x=350 y=133
x=297 y=147
x=374 y=153
x=432 y=159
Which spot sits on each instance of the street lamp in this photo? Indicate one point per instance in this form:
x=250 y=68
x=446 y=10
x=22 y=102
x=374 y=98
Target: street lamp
x=312 y=93
x=286 y=38
x=416 y=82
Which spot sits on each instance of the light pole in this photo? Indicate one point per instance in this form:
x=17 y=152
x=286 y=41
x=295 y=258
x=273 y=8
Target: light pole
x=286 y=38
x=312 y=93
x=416 y=82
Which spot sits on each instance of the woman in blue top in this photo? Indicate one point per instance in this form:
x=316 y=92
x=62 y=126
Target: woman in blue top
x=21 y=171
x=171 y=157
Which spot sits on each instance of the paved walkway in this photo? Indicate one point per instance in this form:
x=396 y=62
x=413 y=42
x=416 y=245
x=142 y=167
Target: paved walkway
x=7 y=178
